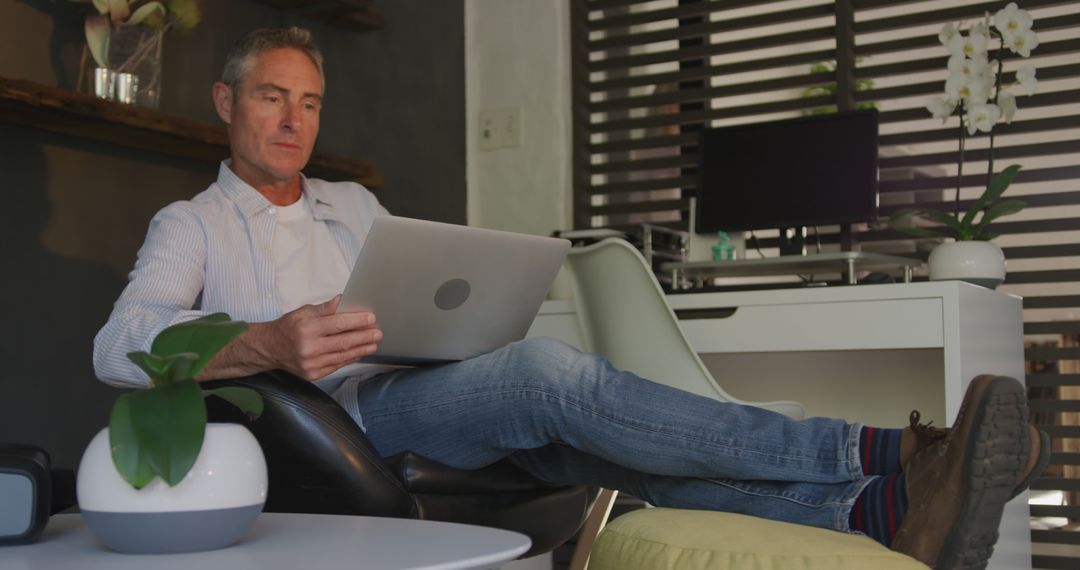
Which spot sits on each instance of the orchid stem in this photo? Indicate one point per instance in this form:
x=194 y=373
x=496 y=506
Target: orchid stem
x=997 y=91
x=960 y=164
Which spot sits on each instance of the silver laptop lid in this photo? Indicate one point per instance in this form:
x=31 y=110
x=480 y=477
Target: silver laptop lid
x=444 y=292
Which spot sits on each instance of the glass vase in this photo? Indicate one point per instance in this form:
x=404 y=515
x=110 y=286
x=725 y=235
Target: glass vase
x=135 y=60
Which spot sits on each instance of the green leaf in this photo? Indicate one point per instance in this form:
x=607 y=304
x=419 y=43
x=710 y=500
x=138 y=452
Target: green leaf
x=102 y=6
x=901 y=221
x=169 y=424
x=249 y=401
x=145 y=11
x=164 y=369
x=153 y=365
x=945 y=219
x=126 y=452
x=204 y=336
x=922 y=232
x=997 y=186
x=904 y=214
x=186 y=13
x=1000 y=182
x=178 y=366
x=1002 y=208
x=97 y=38
x=119 y=11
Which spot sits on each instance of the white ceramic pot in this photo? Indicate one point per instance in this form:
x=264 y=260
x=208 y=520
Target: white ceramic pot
x=978 y=262
x=212 y=507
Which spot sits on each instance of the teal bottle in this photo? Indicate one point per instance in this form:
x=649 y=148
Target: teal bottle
x=724 y=250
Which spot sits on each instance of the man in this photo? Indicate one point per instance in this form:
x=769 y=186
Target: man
x=269 y=246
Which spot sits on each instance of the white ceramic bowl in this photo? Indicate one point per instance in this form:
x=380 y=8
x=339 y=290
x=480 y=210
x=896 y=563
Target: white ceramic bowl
x=978 y=262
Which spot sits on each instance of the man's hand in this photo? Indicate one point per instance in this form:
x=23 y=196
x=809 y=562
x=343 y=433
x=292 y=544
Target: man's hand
x=310 y=342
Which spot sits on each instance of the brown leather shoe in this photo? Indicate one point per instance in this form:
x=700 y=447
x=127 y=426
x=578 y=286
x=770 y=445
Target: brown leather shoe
x=958 y=485
x=1038 y=453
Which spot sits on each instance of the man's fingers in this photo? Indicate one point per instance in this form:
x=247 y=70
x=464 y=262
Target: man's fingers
x=345 y=322
x=349 y=340
x=327 y=363
x=330 y=307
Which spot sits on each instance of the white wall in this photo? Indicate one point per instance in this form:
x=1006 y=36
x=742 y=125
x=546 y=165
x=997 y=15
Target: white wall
x=517 y=55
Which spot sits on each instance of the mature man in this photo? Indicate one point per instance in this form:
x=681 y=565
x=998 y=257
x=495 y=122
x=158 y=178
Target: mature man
x=269 y=246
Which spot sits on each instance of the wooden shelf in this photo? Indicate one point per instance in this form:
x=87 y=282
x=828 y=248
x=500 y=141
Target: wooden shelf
x=62 y=111
x=357 y=15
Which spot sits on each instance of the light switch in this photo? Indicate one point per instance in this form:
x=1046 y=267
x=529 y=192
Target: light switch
x=500 y=128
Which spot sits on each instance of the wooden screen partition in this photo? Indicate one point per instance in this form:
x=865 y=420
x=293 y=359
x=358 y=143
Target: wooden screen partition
x=647 y=75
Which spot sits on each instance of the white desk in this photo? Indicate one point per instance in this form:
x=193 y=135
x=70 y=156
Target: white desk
x=288 y=542
x=868 y=353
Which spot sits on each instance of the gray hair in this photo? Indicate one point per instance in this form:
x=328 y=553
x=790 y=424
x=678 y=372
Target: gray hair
x=242 y=56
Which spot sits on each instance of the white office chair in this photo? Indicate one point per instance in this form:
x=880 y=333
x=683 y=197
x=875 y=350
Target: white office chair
x=624 y=316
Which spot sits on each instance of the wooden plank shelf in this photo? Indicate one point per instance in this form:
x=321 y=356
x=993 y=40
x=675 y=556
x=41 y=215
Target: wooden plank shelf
x=356 y=15
x=61 y=111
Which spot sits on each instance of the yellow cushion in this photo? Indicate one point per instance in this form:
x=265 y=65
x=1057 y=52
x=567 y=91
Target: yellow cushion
x=704 y=540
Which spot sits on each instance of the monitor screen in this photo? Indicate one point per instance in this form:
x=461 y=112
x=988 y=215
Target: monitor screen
x=808 y=171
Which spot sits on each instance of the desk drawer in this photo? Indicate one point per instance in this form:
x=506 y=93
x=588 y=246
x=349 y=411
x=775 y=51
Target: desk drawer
x=849 y=325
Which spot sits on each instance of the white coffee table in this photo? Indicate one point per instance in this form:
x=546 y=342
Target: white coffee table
x=288 y=542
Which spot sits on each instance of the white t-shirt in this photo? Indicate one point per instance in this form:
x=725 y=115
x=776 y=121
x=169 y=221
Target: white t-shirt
x=306 y=275
x=303 y=276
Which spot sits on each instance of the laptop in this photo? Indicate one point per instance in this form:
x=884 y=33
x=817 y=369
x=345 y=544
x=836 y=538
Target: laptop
x=444 y=292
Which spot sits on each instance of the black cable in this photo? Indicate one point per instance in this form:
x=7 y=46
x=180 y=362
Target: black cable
x=754 y=242
x=757 y=246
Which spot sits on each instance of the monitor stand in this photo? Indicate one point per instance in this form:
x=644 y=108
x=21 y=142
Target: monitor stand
x=793 y=240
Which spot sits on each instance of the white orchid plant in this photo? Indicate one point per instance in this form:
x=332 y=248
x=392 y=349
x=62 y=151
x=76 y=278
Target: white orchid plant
x=154 y=14
x=975 y=93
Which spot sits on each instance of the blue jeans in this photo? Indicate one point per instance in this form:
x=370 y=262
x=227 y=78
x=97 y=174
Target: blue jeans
x=571 y=418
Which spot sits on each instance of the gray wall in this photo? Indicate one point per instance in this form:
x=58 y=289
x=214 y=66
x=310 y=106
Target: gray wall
x=75 y=211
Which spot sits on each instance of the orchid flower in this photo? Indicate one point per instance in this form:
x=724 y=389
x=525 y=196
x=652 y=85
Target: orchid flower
x=941 y=108
x=983 y=117
x=1006 y=101
x=1026 y=77
x=970 y=45
x=973 y=91
x=1023 y=43
x=1012 y=21
x=948 y=31
x=969 y=67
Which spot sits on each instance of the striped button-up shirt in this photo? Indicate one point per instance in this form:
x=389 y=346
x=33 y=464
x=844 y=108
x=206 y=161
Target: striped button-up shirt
x=213 y=254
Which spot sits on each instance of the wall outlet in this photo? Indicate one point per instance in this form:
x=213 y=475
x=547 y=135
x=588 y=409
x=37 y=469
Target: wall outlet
x=500 y=128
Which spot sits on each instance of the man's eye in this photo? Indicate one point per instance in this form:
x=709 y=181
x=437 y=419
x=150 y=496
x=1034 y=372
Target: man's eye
x=311 y=106
x=271 y=98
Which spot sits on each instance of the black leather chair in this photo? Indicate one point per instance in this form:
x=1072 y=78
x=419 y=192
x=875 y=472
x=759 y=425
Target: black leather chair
x=319 y=461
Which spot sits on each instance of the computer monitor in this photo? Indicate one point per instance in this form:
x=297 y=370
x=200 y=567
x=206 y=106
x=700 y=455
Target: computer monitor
x=810 y=171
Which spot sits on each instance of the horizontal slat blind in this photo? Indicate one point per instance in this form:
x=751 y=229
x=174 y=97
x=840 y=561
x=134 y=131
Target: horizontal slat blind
x=647 y=75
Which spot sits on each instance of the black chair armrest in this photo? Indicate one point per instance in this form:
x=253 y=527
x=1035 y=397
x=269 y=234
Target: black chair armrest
x=318 y=458
x=422 y=475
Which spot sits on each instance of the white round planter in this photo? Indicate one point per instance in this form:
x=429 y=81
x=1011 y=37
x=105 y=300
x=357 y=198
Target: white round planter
x=978 y=262
x=212 y=507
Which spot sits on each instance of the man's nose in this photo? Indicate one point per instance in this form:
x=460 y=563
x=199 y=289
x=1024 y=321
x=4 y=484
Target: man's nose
x=291 y=118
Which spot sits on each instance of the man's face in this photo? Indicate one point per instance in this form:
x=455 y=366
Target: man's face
x=273 y=116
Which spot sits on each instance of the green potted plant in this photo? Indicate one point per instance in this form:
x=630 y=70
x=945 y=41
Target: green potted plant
x=158 y=478
x=830 y=89
x=975 y=93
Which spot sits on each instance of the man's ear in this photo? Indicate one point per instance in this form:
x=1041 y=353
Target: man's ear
x=223 y=100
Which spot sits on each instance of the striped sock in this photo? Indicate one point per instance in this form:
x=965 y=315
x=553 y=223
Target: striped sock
x=879 y=450
x=880 y=508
